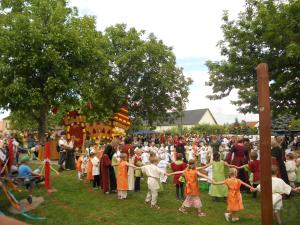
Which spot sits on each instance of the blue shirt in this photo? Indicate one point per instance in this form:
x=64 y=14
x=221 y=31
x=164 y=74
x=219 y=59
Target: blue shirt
x=24 y=171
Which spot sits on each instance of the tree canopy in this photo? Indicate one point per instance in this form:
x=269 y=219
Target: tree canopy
x=50 y=57
x=267 y=31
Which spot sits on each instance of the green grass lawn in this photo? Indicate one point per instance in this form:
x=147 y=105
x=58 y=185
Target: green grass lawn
x=76 y=203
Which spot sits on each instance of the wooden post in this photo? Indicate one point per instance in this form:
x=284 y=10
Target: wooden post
x=265 y=143
x=47 y=165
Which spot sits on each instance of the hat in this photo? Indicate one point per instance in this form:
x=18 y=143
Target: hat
x=24 y=159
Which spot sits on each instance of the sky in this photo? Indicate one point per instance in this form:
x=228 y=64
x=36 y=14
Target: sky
x=191 y=27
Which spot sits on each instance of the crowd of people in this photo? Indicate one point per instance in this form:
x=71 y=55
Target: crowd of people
x=228 y=164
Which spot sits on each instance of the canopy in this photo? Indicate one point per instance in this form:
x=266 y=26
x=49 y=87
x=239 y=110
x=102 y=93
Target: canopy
x=145 y=132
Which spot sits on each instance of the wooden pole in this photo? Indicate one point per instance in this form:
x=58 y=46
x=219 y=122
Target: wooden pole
x=47 y=165
x=265 y=143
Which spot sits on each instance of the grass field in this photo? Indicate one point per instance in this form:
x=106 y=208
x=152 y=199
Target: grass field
x=76 y=203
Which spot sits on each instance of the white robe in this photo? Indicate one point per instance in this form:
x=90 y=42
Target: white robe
x=279 y=187
x=130 y=175
x=153 y=173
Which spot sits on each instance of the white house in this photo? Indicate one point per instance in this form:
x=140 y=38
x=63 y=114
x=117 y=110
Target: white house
x=189 y=119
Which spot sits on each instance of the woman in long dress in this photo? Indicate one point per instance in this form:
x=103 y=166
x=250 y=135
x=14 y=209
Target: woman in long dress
x=277 y=159
x=108 y=177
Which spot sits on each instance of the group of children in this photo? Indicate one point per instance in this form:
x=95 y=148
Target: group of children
x=154 y=165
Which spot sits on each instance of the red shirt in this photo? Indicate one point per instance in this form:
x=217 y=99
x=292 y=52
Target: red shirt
x=177 y=167
x=254 y=167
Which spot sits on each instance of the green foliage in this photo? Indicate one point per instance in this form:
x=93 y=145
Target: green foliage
x=281 y=122
x=295 y=124
x=51 y=57
x=267 y=31
x=146 y=68
x=241 y=128
x=208 y=129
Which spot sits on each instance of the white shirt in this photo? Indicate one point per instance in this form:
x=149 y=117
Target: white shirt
x=163 y=165
x=62 y=142
x=145 y=158
x=203 y=154
x=291 y=168
x=153 y=173
x=279 y=187
x=96 y=166
x=190 y=154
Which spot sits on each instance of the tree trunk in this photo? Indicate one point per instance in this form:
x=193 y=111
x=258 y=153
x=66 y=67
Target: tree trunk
x=43 y=124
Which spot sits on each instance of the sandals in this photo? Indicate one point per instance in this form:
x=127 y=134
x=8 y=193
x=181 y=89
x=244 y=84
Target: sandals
x=182 y=210
x=201 y=214
x=155 y=206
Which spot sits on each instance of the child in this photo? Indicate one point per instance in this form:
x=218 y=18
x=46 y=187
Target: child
x=89 y=167
x=122 y=176
x=96 y=170
x=203 y=156
x=78 y=167
x=153 y=173
x=145 y=156
x=163 y=165
x=190 y=154
x=234 y=197
x=254 y=168
x=192 y=198
x=138 y=173
x=279 y=187
x=291 y=168
x=178 y=165
x=218 y=174
x=298 y=171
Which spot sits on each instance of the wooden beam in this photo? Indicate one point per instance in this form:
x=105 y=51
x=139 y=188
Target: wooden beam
x=265 y=143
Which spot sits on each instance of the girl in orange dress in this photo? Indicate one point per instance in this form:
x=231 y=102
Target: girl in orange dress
x=192 y=193
x=78 y=166
x=122 y=176
x=234 y=197
x=89 y=170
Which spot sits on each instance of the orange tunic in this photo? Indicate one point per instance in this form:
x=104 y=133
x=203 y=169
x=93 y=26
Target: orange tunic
x=191 y=187
x=89 y=172
x=122 y=178
x=79 y=163
x=234 y=197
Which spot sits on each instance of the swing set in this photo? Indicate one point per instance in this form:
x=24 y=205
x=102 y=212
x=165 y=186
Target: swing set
x=10 y=184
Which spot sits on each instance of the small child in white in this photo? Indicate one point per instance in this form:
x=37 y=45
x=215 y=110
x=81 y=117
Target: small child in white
x=291 y=168
x=163 y=165
x=96 y=171
x=153 y=173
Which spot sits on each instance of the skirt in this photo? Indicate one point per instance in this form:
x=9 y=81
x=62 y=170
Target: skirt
x=192 y=201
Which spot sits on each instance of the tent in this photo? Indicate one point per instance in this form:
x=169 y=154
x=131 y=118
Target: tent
x=145 y=132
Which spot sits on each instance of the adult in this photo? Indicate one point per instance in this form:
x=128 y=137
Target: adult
x=129 y=151
x=180 y=148
x=215 y=144
x=63 y=145
x=278 y=159
x=239 y=156
x=108 y=177
x=70 y=154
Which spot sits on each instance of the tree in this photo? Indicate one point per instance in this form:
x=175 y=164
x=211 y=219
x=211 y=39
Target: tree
x=267 y=31
x=49 y=57
x=52 y=58
x=146 y=68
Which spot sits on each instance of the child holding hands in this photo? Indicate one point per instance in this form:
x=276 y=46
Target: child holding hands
x=191 y=189
x=122 y=176
x=234 y=197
